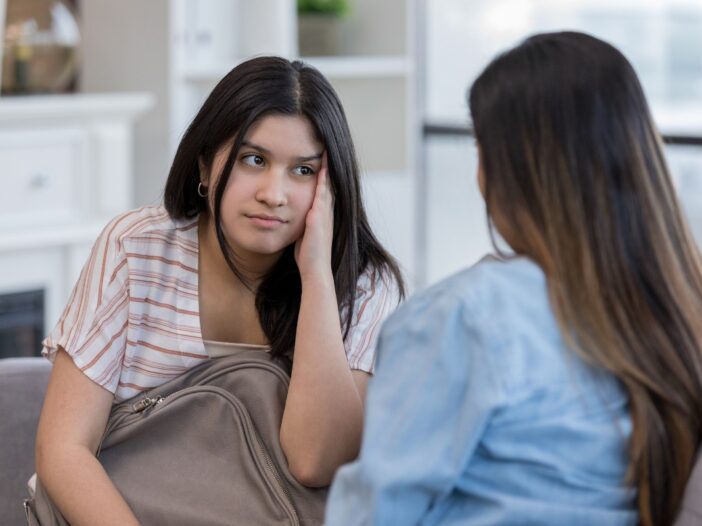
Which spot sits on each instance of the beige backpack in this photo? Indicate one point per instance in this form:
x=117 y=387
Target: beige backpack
x=203 y=449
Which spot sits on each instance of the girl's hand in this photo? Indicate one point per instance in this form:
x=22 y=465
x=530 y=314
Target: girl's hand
x=313 y=249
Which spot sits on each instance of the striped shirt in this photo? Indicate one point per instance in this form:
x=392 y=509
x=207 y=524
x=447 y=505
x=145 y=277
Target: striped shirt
x=132 y=321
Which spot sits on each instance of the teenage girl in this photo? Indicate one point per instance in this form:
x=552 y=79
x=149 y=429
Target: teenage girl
x=263 y=241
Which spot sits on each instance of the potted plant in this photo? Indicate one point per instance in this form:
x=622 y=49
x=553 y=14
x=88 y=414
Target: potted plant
x=319 y=26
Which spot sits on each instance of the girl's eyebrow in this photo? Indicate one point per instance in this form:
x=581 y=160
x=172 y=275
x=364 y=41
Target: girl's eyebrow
x=314 y=157
x=256 y=147
x=302 y=159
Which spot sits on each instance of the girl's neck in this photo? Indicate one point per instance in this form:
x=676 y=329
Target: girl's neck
x=254 y=267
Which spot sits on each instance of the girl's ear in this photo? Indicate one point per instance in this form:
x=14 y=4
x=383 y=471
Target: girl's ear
x=204 y=172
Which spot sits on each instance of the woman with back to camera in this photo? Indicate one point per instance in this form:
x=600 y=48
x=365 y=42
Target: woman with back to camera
x=262 y=241
x=560 y=385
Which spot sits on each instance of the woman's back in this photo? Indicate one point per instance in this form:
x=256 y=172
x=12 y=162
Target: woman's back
x=480 y=402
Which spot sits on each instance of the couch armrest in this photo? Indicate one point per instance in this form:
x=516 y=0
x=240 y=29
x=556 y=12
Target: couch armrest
x=23 y=383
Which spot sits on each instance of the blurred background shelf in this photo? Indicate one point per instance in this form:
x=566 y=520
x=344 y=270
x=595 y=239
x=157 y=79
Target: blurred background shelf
x=182 y=48
x=369 y=67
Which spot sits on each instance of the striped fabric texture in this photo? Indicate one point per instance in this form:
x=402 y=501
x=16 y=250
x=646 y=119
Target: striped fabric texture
x=132 y=321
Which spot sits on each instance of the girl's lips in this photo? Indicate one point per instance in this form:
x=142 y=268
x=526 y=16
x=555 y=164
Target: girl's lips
x=265 y=221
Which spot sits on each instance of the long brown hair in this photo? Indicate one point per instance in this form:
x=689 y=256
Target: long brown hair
x=572 y=161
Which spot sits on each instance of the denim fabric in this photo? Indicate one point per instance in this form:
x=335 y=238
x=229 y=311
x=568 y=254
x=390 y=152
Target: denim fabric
x=479 y=414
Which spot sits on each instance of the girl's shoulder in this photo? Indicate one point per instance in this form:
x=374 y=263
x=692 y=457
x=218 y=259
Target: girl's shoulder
x=373 y=278
x=377 y=296
x=148 y=222
x=377 y=285
x=147 y=230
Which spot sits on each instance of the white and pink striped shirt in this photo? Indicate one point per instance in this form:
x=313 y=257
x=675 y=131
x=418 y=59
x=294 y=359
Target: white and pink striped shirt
x=132 y=321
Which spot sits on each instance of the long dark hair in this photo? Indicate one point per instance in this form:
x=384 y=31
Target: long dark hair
x=254 y=89
x=572 y=160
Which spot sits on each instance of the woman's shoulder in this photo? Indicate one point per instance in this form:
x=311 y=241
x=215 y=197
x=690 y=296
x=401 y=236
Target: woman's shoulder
x=490 y=276
x=492 y=289
x=497 y=311
x=502 y=278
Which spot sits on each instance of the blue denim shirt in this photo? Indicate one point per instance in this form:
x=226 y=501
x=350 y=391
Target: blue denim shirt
x=479 y=414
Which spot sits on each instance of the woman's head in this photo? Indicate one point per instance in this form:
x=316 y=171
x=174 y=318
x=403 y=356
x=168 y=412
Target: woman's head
x=566 y=139
x=273 y=116
x=574 y=176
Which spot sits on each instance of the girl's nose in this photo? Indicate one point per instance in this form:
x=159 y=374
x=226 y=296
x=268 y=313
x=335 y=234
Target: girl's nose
x=271 y=190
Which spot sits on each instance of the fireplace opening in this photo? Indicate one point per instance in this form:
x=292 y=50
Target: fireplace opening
x=21 y=323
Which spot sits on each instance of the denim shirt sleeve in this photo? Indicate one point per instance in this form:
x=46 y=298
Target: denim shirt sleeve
x=427 y=406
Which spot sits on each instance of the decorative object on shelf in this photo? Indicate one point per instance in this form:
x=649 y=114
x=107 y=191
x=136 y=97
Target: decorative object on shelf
x=40 y=47
x=3 y=5
x=319 y=26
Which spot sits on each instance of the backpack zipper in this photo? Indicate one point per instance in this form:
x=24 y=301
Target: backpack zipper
x=125 y=412
x=275 y=472
x=146 y=403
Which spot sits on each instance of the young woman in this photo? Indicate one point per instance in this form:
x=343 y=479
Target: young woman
x=562 y=385
x=263 y=240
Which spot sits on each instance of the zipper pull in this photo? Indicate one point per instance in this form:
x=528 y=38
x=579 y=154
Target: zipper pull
x=146 y=403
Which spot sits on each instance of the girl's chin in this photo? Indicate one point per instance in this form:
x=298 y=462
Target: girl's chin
x=260 y=244
x=262 y=249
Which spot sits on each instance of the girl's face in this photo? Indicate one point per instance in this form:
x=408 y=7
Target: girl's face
x=271 y=186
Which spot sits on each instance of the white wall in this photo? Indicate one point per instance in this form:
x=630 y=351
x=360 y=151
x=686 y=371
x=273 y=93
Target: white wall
x=662 y=39
x=457 y=226
x=149 y=41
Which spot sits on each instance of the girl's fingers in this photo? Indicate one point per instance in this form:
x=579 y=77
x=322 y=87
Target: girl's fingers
x=325 y=164
x=321 y=182
x=323 y=186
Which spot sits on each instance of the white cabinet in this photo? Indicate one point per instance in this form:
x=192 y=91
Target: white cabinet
x=179 y=50
x=66 y=169
x=46 y=171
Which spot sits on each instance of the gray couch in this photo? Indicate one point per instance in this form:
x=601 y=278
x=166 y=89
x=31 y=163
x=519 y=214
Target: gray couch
x=22 y=385
x=691 y=513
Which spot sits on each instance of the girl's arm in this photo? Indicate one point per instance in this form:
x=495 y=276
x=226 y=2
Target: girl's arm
x=72 y=422
x=323 y=418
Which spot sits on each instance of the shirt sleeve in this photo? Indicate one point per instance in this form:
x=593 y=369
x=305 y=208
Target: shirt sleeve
x=377 y=296
x=427 y=407
x=93 y=326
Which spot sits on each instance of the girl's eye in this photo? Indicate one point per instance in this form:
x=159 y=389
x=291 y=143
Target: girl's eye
x=252 y=160
x=303 y=170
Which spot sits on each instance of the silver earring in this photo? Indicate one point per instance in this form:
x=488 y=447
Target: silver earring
x=200 y=191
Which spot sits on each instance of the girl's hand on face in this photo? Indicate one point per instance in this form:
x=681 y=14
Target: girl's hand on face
x=313 y=249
